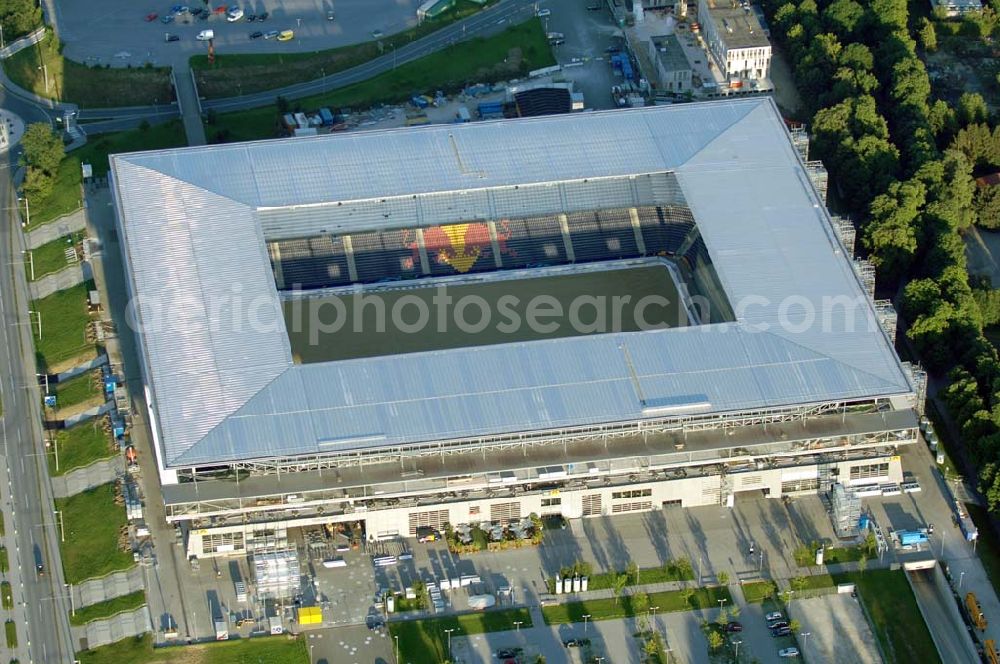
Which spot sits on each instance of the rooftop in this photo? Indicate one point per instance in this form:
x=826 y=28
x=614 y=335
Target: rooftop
x=738 y=27
x=222 y=381
x=670 y=53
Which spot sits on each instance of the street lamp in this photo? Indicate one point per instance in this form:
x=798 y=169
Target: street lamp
x=961 y=577
x=517 y=625
x=31 y=262
x=39 y=315
x=396 y=636
x=722 y=602
x=311 y=646
x=805 y=639
x=586 y=617
x=448 y=632
x=737 y=645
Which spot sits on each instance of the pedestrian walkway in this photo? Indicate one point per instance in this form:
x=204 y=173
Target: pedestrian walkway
x=116 y=584
x=98 y=361
x=96 y=411
x=82 y=479
x=53 y=230
x=102 y=632
x=187 y=99
x=66 y=278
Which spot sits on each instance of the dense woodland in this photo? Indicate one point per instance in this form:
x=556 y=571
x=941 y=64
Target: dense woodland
x=903 y=164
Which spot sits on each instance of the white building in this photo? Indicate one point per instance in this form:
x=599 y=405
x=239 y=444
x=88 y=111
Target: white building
x=254 y=434
x=735 y=40
x=673 y=71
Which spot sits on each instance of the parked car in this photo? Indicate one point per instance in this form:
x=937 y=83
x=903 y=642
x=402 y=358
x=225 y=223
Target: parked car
x=427 y=534
x=286 y=35
x=166 y=20
x=331 y=16
x=172 y=38
x=234 y=14
x=205 y=35
x=777 y=624
x=377 y=34
x=197 y=11
x=557 y=42
x=250 y=18
x=506 y=653
x=543 y=13
x=781 y=631
x=181 y=10
x=257 y=34
x=270 y=34
x=734 y=626
x=788 y=652
x=774 y=615
x=573 y=643
x=263 y=16
x=151 y=17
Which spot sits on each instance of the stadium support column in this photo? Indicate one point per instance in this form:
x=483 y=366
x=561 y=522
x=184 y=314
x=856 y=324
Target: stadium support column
x=633 y=214
x=425 y=262
x=564 y=225
x=352 y=269
x=492 y=226
x=279 y=274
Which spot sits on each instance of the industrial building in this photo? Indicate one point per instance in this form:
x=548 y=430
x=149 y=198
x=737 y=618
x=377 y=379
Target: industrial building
x=735 y=40
x=770 y=376
x=673 y=71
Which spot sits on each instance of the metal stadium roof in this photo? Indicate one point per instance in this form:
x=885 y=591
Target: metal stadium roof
x=223 y=386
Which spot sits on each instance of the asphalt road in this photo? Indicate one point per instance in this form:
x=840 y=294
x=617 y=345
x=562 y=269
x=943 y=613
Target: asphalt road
x=43 y=603
x=490 y=21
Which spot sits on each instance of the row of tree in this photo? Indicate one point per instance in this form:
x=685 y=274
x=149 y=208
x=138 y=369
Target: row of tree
x=903 y=164
x=43 y=151
x=19 y=17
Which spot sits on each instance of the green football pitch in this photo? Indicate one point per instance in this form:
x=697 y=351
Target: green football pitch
x=415 y=318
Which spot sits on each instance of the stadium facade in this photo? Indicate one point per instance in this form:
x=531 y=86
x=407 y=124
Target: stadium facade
x=776 y=378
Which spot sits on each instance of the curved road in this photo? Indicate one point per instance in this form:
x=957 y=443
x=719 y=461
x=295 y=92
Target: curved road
x=490 y=21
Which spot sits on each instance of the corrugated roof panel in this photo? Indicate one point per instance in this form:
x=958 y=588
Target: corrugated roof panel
x=223 y=382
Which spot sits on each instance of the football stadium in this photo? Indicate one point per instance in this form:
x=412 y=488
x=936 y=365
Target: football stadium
x=584 y=315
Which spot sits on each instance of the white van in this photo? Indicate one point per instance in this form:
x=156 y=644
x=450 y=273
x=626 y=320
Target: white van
x=205 y=35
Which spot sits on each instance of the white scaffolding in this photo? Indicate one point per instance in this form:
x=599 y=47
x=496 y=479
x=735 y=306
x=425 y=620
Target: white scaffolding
x=846 y=231
x=887 y=317
x=866 y=271
x=800 y=140
x=818 y=176
x=277 y=574
x=846 y=511
x=918 y=377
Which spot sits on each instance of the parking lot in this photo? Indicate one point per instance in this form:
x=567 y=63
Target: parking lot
x=115 y=31
x=838 y=631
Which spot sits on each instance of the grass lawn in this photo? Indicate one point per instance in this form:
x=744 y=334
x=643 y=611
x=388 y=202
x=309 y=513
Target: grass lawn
x=608 y=609
x=989 y=546
x=6 y=595
x=92 y=522
x=272 y=650
x=524 y=47
x=896 y=619
x=10 y=631
x=108 y=608
x=813 y=582
x=81 y=446
x=425 y=641
x=67 y=196
x=646 y=575
x=236 y=74
x=757 y=591
x=845 y=554
x=89 y=87
x=51 y=256
x=4 y=560
x=64 y=327
x=79 y=389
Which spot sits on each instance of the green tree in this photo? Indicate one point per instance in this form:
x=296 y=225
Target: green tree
x=723 y=578
x=640 y=604
x=927 y=35
x=715 y=641
x=862 y=565
x=19 y=17
x=632 y=571
x=972 y=108
x=842 y=17
x=618 y=584
x=42 y=148
x=986 y=203
x=686 y=594
x=794 y=625
x=684 y=568
x=723 y=618
x=798 y=583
